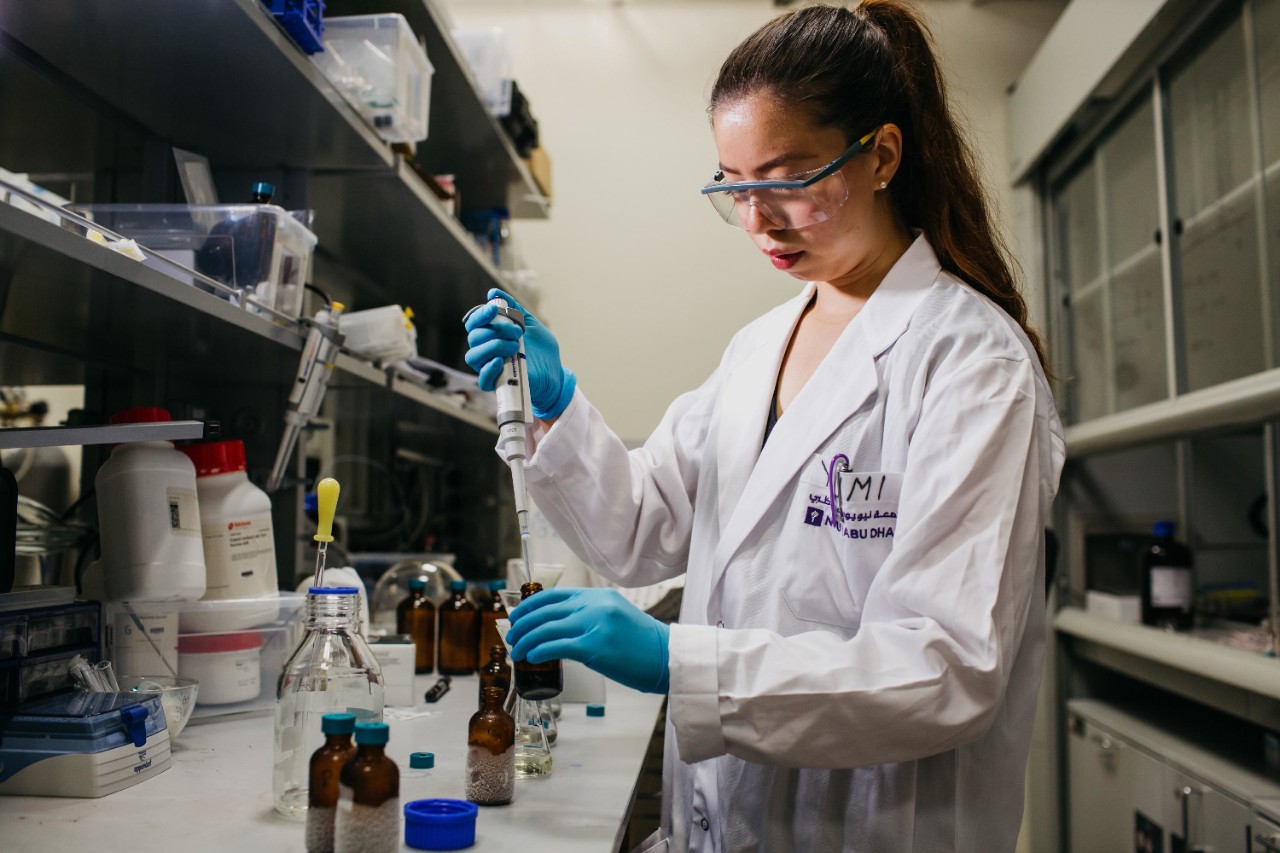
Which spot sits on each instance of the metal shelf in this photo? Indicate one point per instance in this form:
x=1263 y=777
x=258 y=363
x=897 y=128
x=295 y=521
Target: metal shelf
x=404 y=388
x=102 y=434
x=464 y=140
x=233 y=87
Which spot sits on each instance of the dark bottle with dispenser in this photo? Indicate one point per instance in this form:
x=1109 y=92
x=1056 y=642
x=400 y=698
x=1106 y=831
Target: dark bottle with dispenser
x=326 y=767
x=490 y=613
x=369 y=796
x=1168 y=581
x=537 y=681
x=491 y=752
x=459 y=633
x=416 y=616
x=238 y=251
x=497 y=672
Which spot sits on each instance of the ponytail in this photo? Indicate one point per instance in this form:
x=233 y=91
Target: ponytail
x=874 y=64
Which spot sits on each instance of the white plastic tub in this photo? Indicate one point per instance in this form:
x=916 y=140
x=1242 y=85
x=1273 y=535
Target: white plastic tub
x=228 y=666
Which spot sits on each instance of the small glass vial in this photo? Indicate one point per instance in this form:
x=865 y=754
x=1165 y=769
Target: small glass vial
x=326 y=765
x=416 y=616
x=368 y=818
x=491 y=753
x=459 y=633
x=332 y=670
x=537 y=681
x=492 y=611
x=496 y=673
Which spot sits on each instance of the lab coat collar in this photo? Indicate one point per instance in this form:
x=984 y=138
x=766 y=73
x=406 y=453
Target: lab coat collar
x=749 y=485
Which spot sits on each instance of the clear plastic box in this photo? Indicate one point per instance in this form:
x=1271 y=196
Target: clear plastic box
x=488 y=54
x=260 y=250
x=161 y=621
x=379 y=66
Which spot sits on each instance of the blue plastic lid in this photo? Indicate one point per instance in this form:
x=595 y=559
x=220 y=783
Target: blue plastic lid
x=497 y=585
x=422 y=760
x=372 y=733
x=457 y=586
x=417 y=583
x=333 y=590
x=595 y=710
x=440 y=824
x=338 y=724
x=264 y=188
x=1162 y=529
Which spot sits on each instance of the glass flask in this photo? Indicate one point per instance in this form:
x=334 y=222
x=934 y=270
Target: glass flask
x=497 y=672
x=533 y=752
x=537 y=681
x=331 y=671
x=491 y=752
x=416 y=616
x=368 y=819
x=549 y=723
x=326 y=765
x=493 y=610
x=459 y=633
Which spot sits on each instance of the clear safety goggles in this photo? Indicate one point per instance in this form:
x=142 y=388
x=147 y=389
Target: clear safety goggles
x=794 y=202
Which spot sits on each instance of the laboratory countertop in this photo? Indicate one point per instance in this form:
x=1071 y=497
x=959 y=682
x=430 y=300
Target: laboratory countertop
x=216 y=796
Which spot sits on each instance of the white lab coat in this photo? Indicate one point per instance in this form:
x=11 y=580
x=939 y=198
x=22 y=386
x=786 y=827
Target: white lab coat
x=868 y=688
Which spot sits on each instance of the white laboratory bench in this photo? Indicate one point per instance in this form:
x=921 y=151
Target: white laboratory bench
x=216 y=795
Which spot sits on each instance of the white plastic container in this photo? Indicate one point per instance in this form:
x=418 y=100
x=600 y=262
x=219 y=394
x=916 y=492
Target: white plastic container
x=385 y=333
x=228 y=666
x=149 y=519
x=239 y=547
x=487 y=53
x=379 y=66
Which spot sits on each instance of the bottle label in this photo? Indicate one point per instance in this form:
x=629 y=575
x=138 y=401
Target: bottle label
x=1171 y=587
x=240 y=556
x=184 y=512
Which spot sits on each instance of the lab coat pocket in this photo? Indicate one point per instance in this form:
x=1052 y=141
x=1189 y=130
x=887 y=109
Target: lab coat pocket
x=842 y=532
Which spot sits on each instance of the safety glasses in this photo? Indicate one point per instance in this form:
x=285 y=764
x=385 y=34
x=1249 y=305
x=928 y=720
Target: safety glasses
x=794 y=202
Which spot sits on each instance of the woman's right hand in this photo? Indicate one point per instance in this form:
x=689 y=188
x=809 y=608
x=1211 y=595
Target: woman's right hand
x=492 y=338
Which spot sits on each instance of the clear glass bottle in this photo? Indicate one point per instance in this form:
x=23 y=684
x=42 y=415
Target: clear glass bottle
x=533 y=752
x=493 y=610
x=326 y=765
x=537 y=681
x=331 y=671
x=459 y=633
x=491 y=752
x=497 y=672
x=368 y=819
x=416 y=616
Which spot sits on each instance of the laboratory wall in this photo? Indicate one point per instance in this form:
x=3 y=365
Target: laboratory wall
x=642 y=283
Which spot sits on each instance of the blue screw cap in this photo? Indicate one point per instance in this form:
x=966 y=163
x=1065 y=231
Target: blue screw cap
x=338 y=724
x=595 y=710
x=372 y=733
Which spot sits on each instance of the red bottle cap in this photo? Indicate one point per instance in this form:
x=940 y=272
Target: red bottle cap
x=216 y=457
x=141 y=415
x=199 y=644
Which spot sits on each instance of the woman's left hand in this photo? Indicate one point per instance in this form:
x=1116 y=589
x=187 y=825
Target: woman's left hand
x=597 y=627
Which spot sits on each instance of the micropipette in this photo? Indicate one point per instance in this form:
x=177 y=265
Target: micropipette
x=326 y=504
x=515 y=413
x=318 y=356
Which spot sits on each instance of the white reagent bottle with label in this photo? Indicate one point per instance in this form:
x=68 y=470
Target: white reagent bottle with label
x=239 y=547
x=149 y=519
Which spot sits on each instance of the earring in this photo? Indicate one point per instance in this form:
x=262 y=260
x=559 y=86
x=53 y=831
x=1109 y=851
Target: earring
x=884 y=184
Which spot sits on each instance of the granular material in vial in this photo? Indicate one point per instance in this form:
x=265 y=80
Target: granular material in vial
x=366 y=829
x=491 y=779
x=320 y=829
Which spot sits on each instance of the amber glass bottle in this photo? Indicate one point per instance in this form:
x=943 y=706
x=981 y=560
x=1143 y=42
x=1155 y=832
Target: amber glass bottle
x=496 y=673
x=492 y=611
x=459 y=633
x=537 y=681
x=491 y=752
x=368 y=816
x=416 y=616
x=322 y=790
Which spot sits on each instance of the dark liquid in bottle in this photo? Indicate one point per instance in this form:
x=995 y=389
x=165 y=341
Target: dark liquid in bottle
x=537 y=681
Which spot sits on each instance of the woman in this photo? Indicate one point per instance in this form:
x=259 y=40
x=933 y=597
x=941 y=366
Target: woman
x=857 y=493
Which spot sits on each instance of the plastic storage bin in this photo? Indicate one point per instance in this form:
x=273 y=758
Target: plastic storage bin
x=379 y=66
x=279 y=636
x=488 y=54
x=260 y=250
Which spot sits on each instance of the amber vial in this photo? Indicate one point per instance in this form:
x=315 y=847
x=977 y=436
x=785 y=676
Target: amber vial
x=490 y=613
x=368 y=816
x=416 y=616
x=491 y=752
x=496 y=673
x=537 y=681
x=459 y=633
x=322 y=790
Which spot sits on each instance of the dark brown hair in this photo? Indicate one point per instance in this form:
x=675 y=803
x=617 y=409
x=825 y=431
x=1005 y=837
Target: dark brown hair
x=857 y=68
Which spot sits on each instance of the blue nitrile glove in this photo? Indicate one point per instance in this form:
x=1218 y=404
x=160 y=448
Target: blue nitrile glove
x=492 y=338
x=598 y=627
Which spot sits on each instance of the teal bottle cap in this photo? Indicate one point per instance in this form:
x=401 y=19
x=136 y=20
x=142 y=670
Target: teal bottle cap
x=372 y=733
x=422 y=760
x=497 y=585
x=457 y=586
x=417 y=583
x=338 y=724
x=595 y=710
